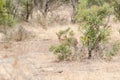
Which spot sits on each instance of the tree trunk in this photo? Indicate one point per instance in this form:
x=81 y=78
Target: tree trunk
x=89 y=54
x=30 y=7
x=74 y=5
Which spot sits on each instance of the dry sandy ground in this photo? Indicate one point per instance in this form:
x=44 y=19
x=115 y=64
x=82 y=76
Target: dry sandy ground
x=31 y=60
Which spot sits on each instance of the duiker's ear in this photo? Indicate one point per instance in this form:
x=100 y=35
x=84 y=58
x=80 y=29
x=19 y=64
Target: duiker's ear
x=58 y=36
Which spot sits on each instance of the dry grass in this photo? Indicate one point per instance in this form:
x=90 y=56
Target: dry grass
x=31 y=60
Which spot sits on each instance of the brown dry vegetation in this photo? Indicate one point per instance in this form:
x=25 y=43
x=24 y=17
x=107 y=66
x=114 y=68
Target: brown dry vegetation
x=30 y=59
x=27 y=57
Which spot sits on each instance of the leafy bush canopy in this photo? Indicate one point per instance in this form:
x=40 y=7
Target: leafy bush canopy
x=94 y=27
x=93 y=16
x=5 y=17
x=67 y=47
x=116 y=5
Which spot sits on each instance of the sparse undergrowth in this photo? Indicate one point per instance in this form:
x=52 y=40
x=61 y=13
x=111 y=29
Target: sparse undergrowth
x=67 y=48
x=95 y=30
x=111 y=50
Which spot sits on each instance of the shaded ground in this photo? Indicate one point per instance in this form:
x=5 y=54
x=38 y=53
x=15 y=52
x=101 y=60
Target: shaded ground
x=31 y=60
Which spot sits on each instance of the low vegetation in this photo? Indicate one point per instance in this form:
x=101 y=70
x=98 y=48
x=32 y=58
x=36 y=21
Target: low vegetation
x=92 y=16
x=67 y=48
x=94 y=27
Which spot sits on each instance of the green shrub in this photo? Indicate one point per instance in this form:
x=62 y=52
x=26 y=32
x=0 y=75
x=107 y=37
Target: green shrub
x=6 y=19
x=67 y=43
x=93 y=25
x=116 y=5
x=114 y=50
x=5 y=16
x=62 y=51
